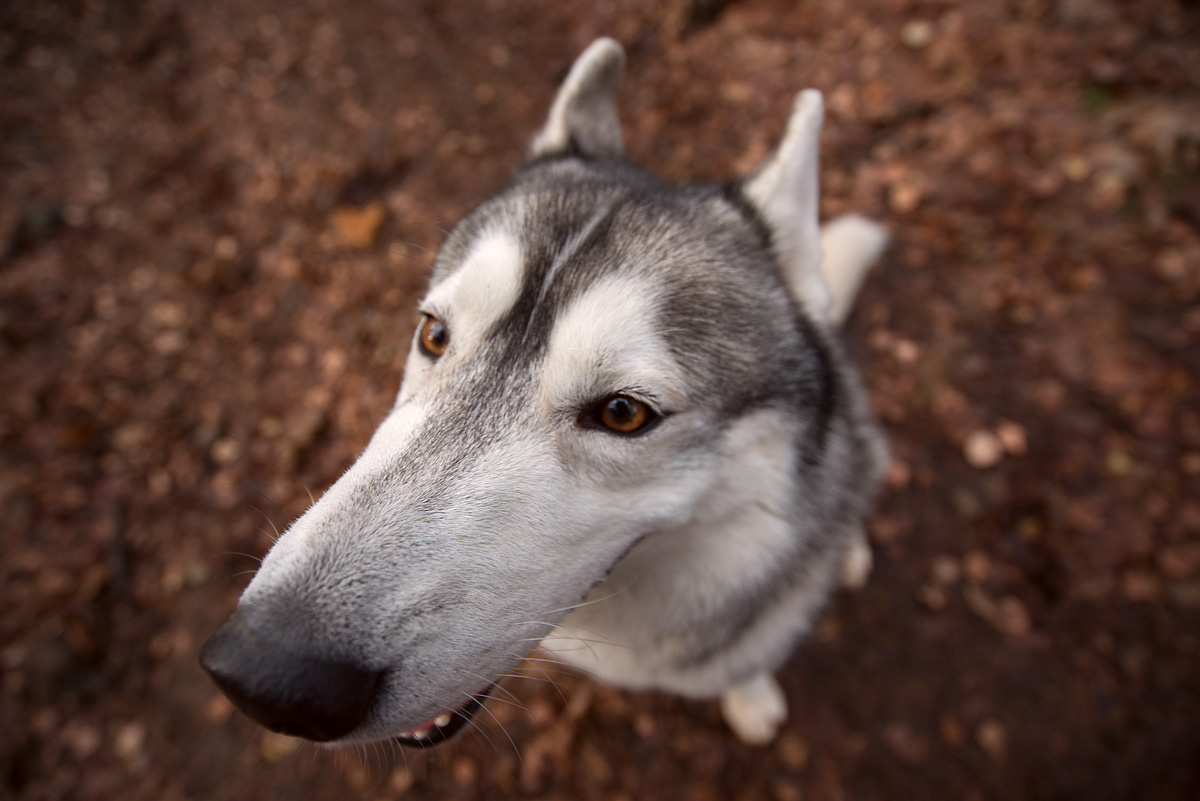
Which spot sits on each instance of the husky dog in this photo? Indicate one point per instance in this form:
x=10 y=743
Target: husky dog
x=626 y=431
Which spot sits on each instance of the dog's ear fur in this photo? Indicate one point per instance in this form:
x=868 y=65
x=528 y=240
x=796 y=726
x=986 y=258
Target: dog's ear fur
x=784 y=190
x=583 y=119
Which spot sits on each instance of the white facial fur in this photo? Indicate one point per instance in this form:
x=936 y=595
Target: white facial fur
x=470 y=301
x=608 y=342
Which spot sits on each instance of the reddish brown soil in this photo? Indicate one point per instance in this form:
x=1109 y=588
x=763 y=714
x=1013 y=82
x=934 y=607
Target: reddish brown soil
x=215 y=218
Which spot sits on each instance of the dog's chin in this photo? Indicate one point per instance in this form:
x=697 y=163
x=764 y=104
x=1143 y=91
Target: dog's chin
x=444 y=726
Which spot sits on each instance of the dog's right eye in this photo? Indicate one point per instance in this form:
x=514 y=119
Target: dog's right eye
x=621 y=414
x=434 y=337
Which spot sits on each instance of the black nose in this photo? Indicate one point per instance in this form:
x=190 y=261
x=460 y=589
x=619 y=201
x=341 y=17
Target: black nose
x=285 y=689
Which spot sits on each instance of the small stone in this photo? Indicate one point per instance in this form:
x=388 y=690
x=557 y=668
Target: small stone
x=977 y=566
x=226 y=248
x=1180 y=561
x=500 y=56
x=932 y=597
x=906 y=351
x=645 y=726
x=541 y=712
x=899 y=474
x=1172 y=265
x=945 y=570
x=905 y=197
x=786 y=791
x=1012 y=437
x=197 y=573
x=951 y=731
x=1140 y=586
x=1076 y=168
x=983 y=449
x=967 y=503
x=226 y=451
x=130 y=742
x=1030 y=529
x=218 y=709
x=793 y=752
x=82 y=740
x=169 y=314
x=906 y=743
x=274 y=747
x=916 y=33
x=484 y=93
x=356 y=774
x=992 y=738
x=401 y=780
x=1119 y=462
x=1186 y=594
x=979 y=601
x=1011 y=617
x=465 y=771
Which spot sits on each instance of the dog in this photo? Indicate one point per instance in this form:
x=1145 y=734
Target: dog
x=626 y=432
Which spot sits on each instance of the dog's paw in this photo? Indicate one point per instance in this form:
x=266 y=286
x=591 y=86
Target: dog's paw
x=857 y=564
x=755 y=709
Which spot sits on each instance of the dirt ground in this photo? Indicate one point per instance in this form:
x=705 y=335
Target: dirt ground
x=215 y=219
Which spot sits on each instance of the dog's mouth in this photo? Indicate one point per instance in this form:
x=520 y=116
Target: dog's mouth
x=444 y=726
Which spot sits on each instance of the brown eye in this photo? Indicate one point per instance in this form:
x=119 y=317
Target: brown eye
x=434 y=337
x=622 y=414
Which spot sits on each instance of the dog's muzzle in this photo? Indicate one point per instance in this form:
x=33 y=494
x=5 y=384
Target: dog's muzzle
x=284 y=689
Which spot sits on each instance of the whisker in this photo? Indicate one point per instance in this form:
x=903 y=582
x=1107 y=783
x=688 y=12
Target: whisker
x=600 y=635
x=478 y=728
x=273 y=537
x=239 y=553
x=523 y=676
x=582 y=604
x=516 y=701
x=266 y=517
x=582 y=647
x=569 y=669
x=546 y=678
x=401 y=249
x=403 y=753
x=500 y=700
x=421 y=248
x=585 y=640
x=259 y=493
x=503 y=731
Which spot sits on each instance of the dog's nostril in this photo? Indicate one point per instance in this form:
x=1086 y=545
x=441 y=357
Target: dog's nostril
x=293 y=693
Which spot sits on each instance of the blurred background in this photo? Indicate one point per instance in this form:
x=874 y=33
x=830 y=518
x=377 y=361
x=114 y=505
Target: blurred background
x=215 y=219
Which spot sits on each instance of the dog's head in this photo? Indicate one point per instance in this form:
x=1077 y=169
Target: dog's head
x=589 y=337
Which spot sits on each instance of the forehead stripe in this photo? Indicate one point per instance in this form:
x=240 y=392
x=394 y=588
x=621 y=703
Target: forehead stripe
x=556 y=269
x=564 y=255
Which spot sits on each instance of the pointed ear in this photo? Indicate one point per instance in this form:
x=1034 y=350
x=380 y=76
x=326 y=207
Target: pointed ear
x=784 y=190
x=583 y=118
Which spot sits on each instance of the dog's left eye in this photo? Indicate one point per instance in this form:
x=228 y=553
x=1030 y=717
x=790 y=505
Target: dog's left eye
x=434 y=337
x=621 y=414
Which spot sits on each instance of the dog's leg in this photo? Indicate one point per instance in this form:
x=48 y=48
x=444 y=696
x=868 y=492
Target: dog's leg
x=857 y=563
x=755 y=709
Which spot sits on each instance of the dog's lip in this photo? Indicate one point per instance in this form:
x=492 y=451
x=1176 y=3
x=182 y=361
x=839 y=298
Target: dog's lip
x=444 y=726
